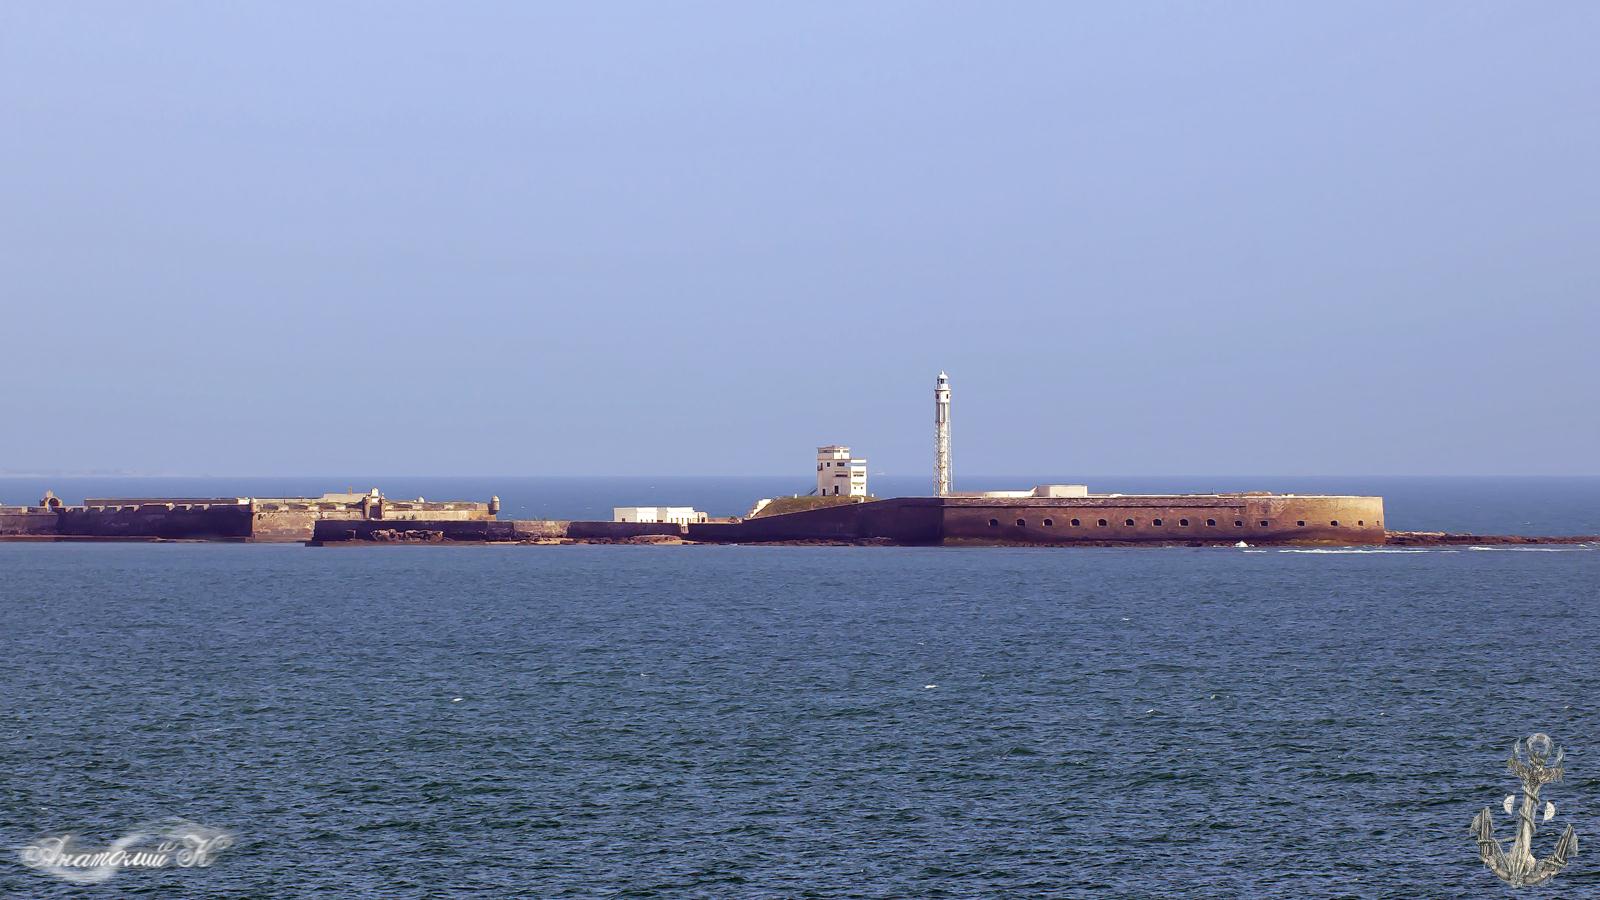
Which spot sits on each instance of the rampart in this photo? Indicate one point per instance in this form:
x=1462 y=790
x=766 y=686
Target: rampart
x=907 y=520
x=999 y=518
x=148 y=518
x=1097 y=519
x=31 y=521
x=225 y=518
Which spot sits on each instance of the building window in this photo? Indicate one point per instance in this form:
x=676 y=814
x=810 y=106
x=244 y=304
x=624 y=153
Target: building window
x=1301 y=523
x=1184 y=523
x=1362 y=522
x=1238 y=523
x=1102 y=523
x=994 y=523
x=1127 y=521
x=1211 y=523
x=1076 y=523
x=1263 y=523
x=1334 y=523
x=1156 y=522
x=1049 y=523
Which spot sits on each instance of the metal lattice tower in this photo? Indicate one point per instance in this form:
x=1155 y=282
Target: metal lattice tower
x=941 y=437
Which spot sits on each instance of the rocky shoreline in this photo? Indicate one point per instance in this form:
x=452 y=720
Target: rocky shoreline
x=1456 y=539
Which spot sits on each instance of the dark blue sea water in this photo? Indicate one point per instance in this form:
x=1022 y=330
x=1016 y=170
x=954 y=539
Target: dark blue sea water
x=595 y=721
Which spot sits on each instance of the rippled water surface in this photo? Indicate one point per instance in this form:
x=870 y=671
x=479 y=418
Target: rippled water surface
x=746 y=721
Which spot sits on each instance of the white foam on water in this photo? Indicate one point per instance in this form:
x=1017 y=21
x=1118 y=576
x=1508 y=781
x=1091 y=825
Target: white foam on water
x=1353 y=550
x=1575 y=549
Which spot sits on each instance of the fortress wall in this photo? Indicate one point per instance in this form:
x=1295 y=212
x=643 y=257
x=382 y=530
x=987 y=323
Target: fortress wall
x=15 y=520
x=162 y=520
x=282 y=526
x=1051 y=520
x=905 y=520
x=222 y=518
x=540 y=528
x=1255 y=519
x=403 y=510
x=297 y=522
x=273 y=526
x=1312 y=519
x=1068 y=520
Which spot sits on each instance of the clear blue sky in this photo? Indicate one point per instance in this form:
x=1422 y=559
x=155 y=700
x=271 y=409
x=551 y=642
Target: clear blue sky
x=528 y=238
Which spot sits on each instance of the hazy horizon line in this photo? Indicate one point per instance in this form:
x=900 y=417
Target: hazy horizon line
x=1076 y=479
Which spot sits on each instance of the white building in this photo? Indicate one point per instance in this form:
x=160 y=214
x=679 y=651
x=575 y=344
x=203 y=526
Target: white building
x=1042 y=490
x=681 y=515
x=838 y=475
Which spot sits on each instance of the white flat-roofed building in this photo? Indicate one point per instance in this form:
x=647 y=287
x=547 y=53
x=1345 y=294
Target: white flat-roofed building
x=680 y=515
x=840 y=475
x=1042 y=490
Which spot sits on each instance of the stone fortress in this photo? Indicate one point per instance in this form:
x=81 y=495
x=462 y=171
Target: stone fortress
x=276 y=519
x=1054 y=513
x=839 y=509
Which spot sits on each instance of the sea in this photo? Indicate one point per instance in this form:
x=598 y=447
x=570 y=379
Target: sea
x=749 y=721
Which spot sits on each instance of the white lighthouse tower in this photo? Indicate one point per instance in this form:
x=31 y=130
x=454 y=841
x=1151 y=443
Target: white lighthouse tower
x=941 y=435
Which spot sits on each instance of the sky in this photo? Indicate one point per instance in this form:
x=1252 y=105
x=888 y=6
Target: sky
x=705 y=238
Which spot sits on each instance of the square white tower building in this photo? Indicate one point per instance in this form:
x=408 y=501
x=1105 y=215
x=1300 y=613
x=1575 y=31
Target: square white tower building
x=838 y=475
